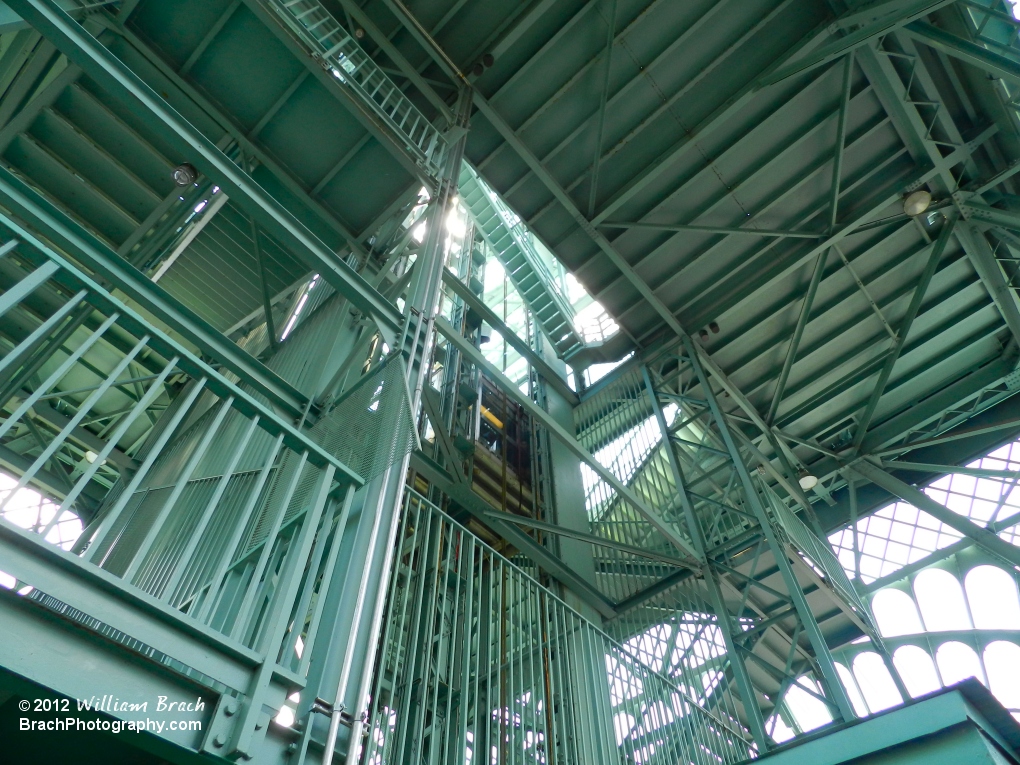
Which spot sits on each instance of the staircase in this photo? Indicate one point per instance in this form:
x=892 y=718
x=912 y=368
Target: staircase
x=529 y=274
x=353 y=67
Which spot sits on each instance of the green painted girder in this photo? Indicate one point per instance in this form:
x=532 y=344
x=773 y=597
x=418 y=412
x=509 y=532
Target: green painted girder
x=965 y=50
x=369 y=113
x=223 y=252
x=333 y=44
x=103 y=261
x=249 y=404
x=464 y=496
x=103 y=67
x=928 y=409
x=309 y=202
x=652 y=515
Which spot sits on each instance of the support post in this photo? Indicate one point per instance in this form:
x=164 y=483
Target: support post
x=830 y=679
x=755 y=720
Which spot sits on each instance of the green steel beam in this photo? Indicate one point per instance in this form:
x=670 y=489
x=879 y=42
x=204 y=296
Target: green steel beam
x=747 y=693
x=988 y=268
x=920 y=290
x=716 y=230
x=904 y=13
x=954 y=435
x=380 y=38
x=965 y=50
x=102 y=66
x=837 y=164
x=100 y=259
x=926 y=468
x=916 y=133
x=994 y=215
x=247 y=403
x=601 y=123
x=982 y=536
x=832 y=683
x=709 y=125
x=432 y=404
x=424 y=39
x=316 y=212
x=798 y=333
x=388 y=138
x=598 y=541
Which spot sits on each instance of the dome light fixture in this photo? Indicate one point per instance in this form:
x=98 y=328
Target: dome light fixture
x=916 y=202
x=807 y=481
x=185 y=174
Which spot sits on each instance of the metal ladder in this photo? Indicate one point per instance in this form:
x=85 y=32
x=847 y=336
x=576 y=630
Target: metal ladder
x=512 y=244
x=356 y=69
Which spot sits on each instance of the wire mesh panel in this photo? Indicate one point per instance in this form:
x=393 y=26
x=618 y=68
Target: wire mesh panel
x=371 y=426
x=480 y=663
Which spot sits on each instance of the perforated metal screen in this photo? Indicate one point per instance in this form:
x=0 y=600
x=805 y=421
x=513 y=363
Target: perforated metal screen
x=371 y=426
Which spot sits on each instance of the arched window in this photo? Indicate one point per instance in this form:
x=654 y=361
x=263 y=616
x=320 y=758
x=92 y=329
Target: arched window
x=957 y=662
x=916 y=669
x=940 y=597
x=992 y=595
x=1002 y=661
x=852 y=690
x=895 y=613
x=875 y=681
x=809 y=711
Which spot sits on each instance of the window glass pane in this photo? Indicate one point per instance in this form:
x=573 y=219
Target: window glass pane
x=809 y=711
x=991 y=593
x=895 y=613
x=958 y=662
x=780 y=731
x=916 y=669
x=875 y=681
x=852 y=690
x=1002 y=660
x=941 y=600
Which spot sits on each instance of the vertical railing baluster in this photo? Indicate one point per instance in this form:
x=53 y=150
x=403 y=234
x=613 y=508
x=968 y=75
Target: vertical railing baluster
x=113 y=515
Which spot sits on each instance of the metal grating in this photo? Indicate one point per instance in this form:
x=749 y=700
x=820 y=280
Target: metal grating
x=371 y=426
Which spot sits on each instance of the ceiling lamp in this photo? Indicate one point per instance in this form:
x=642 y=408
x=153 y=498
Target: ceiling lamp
x=185 y=174
x=807 y=481
x=916 y=202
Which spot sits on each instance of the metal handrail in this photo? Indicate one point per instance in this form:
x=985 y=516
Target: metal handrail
x=477 y=656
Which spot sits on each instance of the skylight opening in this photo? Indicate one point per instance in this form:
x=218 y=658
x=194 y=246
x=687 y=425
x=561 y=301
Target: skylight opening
x=594 y=325
x=596 y=372
x=900 y=534
x=291 y=323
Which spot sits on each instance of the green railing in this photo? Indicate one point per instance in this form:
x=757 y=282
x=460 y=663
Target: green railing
x=480 y=663
x=206 y=513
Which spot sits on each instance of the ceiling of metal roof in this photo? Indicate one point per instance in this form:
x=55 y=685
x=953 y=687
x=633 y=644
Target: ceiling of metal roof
x=730 y=170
